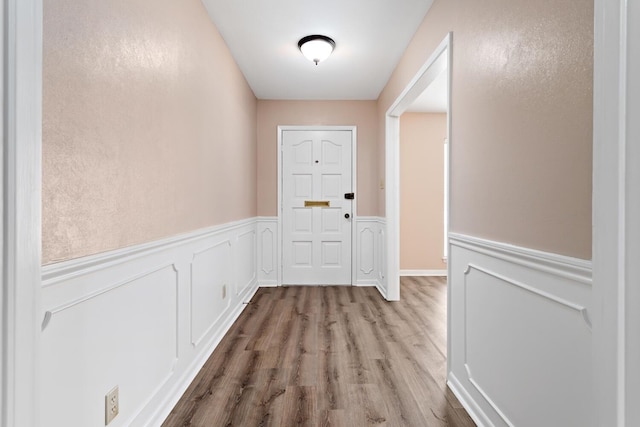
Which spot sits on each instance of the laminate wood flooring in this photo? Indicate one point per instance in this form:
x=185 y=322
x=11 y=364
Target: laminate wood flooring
x=329 y=356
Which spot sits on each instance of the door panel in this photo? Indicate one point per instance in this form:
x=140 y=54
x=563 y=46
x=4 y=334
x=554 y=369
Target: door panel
x=302 y=221
x=331 y=221
x=316 y=240
x=303 y=185
x=331 y=185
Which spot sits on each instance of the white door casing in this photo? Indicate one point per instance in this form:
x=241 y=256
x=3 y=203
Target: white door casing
x=21 y=229
x=616 y=207
x=441 y=59
x=316 y=240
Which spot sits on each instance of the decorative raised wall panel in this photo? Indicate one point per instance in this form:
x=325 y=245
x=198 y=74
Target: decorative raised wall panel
x=245 y=256
x=211 y=275
x=130 y=317
x=366 y=256
x=368 y=251
x=267 y=231
x=520 y=334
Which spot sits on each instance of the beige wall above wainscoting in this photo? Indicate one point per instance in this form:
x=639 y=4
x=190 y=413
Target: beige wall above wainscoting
x=362 y=114
x=521 y=137
x=422 y=190
x=149 y=127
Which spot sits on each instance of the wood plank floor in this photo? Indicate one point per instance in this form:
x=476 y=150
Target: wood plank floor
x=329 y=356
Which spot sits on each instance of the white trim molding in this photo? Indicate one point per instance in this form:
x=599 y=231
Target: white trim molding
x=616 y=212
x=22 y=141
x=438 y=61
x=424 y=273
x=474 y=411
x=520 y=321
x=560 y=265
x=67 y=270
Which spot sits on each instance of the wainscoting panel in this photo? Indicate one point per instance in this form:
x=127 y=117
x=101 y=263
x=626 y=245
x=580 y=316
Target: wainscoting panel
x=143 y=318
x=246 y=262
x=367 y=251
x=520 y=334
x=211 y=276
x=83 y=341
x=370 y=254
x=268 y=251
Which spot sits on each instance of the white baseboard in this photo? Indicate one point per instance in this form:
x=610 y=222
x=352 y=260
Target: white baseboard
x=164 y=408
x=520 y=334
x=423 y=273
x=268 y=284
x=469 y=404
x=382 y=290
x=144 y=318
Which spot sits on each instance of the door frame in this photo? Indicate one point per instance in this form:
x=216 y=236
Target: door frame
x=425 y=75
x=616 y=246
x=21 y=201
x=354 y=173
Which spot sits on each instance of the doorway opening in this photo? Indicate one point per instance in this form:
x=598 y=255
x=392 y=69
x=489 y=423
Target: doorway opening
x=439 y=62
x=423 y=189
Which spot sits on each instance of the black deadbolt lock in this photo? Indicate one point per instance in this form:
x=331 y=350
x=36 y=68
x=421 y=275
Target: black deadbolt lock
x=347 y=215
x=349 y=196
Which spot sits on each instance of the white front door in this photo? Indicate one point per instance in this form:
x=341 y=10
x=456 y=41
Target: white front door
x=316 y=213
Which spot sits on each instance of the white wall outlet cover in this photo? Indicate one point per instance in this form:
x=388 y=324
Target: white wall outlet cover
x=111 y=405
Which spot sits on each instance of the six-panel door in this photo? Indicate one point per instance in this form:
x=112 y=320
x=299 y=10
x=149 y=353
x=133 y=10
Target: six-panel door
x=316 y=238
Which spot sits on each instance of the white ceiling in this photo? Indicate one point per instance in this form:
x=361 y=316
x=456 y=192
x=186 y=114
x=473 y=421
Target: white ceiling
x=434 y=97
x=370 y=37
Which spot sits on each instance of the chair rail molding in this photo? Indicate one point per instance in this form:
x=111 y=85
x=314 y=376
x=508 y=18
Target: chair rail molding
x=572 y=268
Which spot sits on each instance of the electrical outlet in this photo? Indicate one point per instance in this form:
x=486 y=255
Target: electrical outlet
x=224 y=291
x=111 y=405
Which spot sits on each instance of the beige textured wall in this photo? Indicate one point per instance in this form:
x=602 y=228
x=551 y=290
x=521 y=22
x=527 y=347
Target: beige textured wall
x=271 y=114
x=521 y=118
x=422 y=190
x=149 y=127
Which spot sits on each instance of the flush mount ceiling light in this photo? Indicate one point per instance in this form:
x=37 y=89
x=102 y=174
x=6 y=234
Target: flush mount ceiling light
x=316 y=48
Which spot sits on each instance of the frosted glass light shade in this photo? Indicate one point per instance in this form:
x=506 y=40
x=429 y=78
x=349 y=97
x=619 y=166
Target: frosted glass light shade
x=316 y=48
